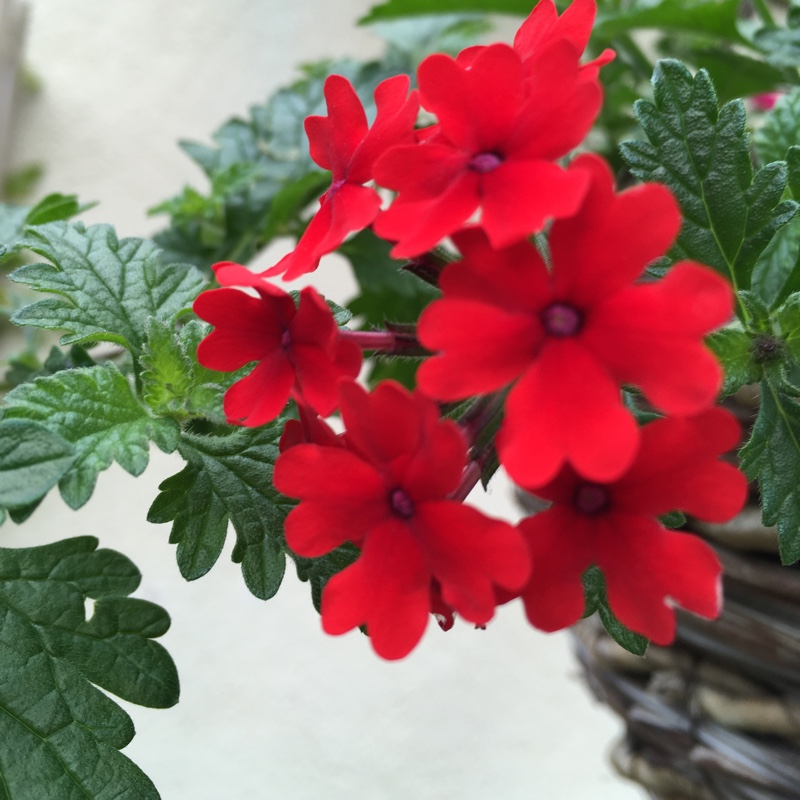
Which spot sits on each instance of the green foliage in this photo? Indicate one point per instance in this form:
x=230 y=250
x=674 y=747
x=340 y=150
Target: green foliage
x=780 y=129
x=734 y=349
x=781 y=45
x=260 y=173
x=227 y=478
x=174 y=384
x=32 y=461
x=701 y=152
x=773 y=456
x=594 y=588
x=95 y=410
x=59 y=735
x=107 y=289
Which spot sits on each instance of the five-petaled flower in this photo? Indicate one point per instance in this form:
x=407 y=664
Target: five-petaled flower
x=388 y=492
x=647 y=568
x=569 y=336
x=299 y=351
x=495 y=144
x=344 y=144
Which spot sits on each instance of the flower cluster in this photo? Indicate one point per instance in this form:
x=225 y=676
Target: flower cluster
x=547 y=317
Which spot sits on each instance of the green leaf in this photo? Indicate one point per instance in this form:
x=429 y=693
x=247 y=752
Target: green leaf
x=95 y=410
x=594 y=589
x=780 y=129
x=701 y=153
x=777 y=273
x=227 y=479
x=32 y=460
x=56 y=207
x=781 y=45
x=106 y=288
x=734 y=349
x=787 y=319
x=410 y=8
x=709 y=17
x=12 y=223
x=772 y=455
x=59 y=735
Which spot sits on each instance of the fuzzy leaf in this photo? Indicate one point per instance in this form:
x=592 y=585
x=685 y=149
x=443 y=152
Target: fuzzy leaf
x=318 y=571
x=95 y=411
x=106 y=288
x=59 y=735
x=174 y=384
x=734 y=349
x=772 y=455
x=227 y=479
x=701 y=152
x=32 y=460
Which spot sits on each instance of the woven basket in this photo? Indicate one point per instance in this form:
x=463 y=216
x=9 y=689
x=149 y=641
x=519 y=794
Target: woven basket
x=716 y=715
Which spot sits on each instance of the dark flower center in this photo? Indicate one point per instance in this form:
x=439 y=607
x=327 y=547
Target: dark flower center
x=286 y=339
x=561 y=320
x=485 y=162
x=591 y=499
x=401 y=503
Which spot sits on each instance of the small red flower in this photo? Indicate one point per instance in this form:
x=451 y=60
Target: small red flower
x=504 y=116
x=388 y=494
x=647 y=568
x=343 y=144
x=299 y=350
x=570 y=335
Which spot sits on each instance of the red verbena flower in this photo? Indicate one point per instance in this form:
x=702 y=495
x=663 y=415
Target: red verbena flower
x=299 y=350
x=344 y=144
x=387 y=492
x=572 y=334
x=647 y=568
x=494 y=146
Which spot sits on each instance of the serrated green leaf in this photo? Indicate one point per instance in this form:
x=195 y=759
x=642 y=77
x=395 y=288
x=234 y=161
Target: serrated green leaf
x=95 y=410
x=174 y=384
x=32 y=461
x=106 y=288
x=734 y=349
x=59 y=735
x=12 y=223
x=227 y=479
x=772 y=456
x=777 y=273
x=701 y=152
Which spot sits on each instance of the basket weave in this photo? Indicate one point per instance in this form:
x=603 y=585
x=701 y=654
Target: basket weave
x=716 y=715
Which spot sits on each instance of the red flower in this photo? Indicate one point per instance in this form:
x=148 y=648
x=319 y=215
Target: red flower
x=544 y=28
x=343 y=144
x=571 y=335
x=299 y=350
x=388 y=493
x=502 y=123
x=648 y=569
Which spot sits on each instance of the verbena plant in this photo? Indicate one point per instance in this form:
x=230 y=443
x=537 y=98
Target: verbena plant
x=537 y=291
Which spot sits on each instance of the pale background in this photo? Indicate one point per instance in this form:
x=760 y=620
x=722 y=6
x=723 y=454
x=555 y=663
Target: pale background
x=271 y=707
